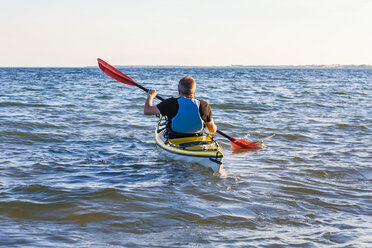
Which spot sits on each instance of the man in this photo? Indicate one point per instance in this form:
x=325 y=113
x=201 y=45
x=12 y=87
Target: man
x=186 y=115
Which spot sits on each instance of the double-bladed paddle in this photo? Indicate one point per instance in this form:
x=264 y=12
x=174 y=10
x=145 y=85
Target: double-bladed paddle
x=121 y=77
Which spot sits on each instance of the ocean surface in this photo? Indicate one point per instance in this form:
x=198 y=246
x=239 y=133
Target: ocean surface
x=79 y=166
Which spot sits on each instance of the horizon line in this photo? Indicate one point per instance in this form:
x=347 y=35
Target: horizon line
x=324 y=66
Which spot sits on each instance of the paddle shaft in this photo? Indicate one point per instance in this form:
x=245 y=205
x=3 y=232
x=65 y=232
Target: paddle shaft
x=121 y=77
x=223 y=134
x=143 y=88
x=162 y=99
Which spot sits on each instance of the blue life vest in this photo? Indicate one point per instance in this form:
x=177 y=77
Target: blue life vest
x=188 y=119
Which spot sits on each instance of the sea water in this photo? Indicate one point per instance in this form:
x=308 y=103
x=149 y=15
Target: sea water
x=79 y=166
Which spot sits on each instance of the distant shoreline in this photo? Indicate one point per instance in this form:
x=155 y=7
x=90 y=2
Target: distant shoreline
x=255 y=66
x=334 y=66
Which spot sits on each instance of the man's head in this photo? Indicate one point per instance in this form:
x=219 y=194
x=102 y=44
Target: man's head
x=187 y=86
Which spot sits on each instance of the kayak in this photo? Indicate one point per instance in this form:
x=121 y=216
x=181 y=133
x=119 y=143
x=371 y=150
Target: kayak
x=203 y=150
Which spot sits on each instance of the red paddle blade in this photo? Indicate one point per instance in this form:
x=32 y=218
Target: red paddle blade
x=243 y=144
x=115 y=73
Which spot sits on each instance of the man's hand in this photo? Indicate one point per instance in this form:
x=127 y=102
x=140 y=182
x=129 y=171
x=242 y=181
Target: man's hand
x=152 y=93
x=149 y=109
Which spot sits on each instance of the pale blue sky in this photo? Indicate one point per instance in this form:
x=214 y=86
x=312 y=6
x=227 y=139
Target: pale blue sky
x=192 y=32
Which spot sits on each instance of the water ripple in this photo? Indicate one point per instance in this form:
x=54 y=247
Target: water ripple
x=77 y=157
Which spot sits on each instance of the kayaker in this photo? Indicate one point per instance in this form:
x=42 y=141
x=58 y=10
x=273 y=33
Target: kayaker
x=186 y=115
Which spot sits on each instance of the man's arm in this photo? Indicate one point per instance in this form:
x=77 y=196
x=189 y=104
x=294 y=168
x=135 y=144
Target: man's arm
x=206 y=114
x=149 y=109
x=212 y=128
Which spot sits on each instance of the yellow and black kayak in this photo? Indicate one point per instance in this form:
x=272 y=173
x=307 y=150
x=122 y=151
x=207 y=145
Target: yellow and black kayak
x=203 y=150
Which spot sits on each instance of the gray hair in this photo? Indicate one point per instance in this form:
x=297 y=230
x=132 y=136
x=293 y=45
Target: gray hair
x=187 y=85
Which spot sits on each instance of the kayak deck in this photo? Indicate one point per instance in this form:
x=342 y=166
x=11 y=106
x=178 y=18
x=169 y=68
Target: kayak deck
x=203 y=150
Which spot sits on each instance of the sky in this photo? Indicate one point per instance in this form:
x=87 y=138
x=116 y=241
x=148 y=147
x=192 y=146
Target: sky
x=69 y=33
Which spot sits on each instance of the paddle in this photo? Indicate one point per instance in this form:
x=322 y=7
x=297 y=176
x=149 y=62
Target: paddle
x=121 y=77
